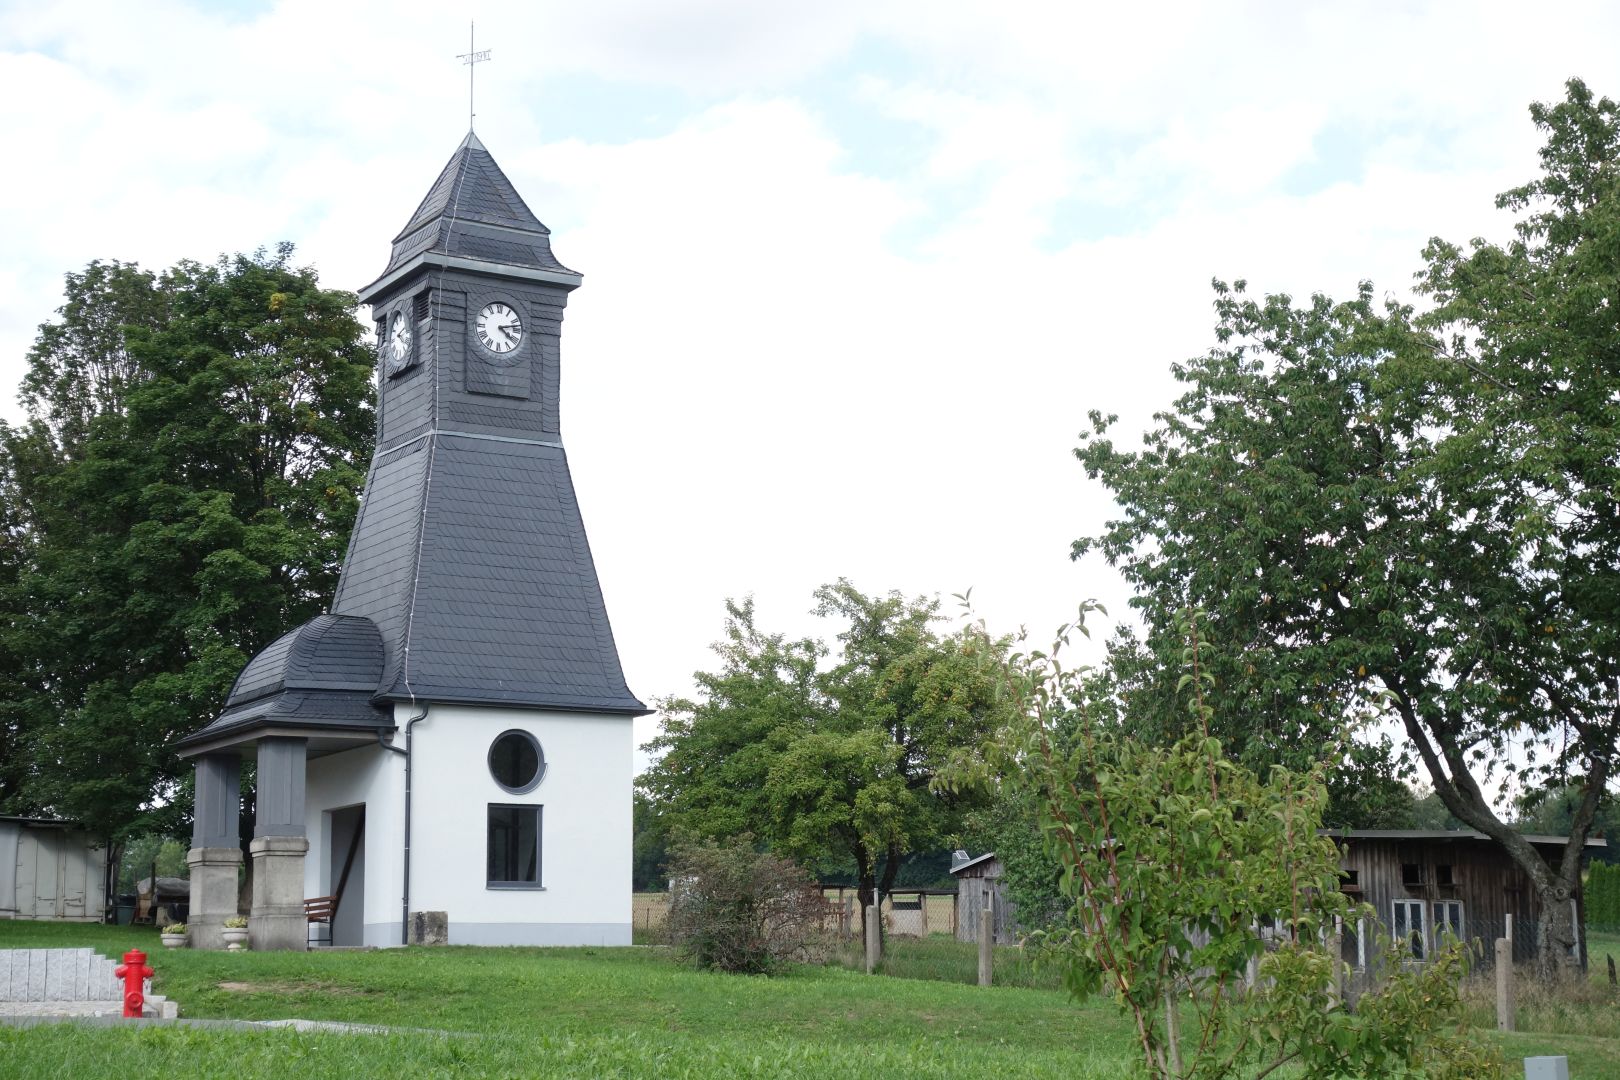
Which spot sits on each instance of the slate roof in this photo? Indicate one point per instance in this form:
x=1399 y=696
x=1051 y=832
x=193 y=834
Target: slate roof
x=330 y=652
x=473 y=211
x=322 y=674
x=496 y=601
x=469 y=579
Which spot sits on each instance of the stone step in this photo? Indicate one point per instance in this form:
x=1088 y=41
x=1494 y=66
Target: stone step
x=40 y=975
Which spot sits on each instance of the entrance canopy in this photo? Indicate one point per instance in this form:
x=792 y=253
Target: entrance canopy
x=315 y=682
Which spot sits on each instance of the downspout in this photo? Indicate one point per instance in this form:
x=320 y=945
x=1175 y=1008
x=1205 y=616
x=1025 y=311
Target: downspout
x=405 y=898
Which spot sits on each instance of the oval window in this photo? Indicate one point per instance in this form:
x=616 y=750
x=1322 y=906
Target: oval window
x=516 y=761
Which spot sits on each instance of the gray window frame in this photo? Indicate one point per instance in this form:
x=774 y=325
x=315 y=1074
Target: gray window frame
x=538 y=884
x=539 y=756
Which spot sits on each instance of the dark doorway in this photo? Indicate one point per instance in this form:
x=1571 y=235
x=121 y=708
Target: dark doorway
x=348 y=875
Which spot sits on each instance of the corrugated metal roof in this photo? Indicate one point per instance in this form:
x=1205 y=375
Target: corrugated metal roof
x=975 y=861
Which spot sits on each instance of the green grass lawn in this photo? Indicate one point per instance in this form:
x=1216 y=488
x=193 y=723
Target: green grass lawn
x=603 y=1012
x=562 y=1012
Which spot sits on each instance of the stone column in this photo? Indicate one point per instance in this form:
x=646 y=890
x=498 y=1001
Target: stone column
x=216 y=850
x=278 y=848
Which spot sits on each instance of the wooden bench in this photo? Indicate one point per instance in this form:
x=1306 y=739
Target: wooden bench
x=319 y=909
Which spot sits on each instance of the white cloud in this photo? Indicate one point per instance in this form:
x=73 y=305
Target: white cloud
x=791 y=360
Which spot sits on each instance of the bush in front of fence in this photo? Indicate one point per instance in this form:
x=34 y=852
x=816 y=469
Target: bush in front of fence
x=732 y=908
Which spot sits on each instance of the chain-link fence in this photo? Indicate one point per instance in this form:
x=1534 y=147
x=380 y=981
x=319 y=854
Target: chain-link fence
x=1422 y=928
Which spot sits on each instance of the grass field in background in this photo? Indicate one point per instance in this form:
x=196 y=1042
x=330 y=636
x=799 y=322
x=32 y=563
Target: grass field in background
x=613 y=1013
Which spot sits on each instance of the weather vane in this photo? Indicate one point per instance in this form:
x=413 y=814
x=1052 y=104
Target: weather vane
x=472 y=56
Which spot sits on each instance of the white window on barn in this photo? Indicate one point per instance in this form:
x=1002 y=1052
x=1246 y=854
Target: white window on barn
x=1448 y=921
x=1353 y=944
x=1408 y=929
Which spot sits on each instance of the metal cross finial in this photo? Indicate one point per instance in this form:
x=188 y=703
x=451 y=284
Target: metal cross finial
x=472 y=56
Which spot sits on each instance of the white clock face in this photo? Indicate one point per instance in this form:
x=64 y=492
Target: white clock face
x=499 y=328
x=399 y=340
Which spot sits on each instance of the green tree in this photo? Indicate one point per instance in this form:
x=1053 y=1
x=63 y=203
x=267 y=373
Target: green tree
x=1412 y=518
x=1173 y=859
x=140 y=853
x=649 y=860
x=827 y=760
x=180 y=493
x=1431 y=813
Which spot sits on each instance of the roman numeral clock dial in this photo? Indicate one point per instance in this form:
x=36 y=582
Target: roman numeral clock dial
x=499 y=328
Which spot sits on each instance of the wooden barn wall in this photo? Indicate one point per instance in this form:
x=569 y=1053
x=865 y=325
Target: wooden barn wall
x=970 y=889
x=1487 y=883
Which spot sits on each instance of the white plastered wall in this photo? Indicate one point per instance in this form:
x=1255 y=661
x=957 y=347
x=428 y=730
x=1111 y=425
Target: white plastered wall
x=375 y=777
x=586 y=829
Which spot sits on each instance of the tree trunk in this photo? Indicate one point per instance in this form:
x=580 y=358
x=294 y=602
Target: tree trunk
x=1460 y=792
x=891 y=869
x=1556 y=956
x=866 y=888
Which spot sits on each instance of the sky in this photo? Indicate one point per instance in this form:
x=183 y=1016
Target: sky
x=855 y=272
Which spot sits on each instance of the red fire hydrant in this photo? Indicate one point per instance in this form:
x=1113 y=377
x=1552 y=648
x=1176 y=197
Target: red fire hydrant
x=134 y=972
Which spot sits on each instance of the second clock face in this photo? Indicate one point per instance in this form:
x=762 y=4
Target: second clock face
x=499 y=328
x=397 y=349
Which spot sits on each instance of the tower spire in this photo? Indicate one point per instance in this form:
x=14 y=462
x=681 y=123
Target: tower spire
x=471 y=57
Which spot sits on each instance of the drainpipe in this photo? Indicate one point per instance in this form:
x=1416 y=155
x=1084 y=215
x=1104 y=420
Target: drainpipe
x=405 y=899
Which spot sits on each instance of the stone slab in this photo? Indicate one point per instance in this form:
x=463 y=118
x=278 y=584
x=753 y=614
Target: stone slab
x=1546 y=1068
x=59 y=975
x=36 y=974
x=156 y=1007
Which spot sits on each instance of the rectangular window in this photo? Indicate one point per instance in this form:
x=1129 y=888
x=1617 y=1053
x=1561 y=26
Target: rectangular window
x=1411 y=875
x=1447 y=920
x=421 y=305
x=1407 y=927
x=1442 y=874
x=514 y=846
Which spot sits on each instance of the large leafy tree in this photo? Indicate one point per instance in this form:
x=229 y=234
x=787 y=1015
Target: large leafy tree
x=1411 y=518
x=827 y=755
x=180 y=492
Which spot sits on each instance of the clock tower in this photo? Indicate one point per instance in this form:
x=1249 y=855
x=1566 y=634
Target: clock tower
x=447 y=755
x=470 y=487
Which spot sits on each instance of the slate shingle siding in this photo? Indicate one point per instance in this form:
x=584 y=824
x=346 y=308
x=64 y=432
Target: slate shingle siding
x=507 y=608
x=468 y=578
x=472 y=191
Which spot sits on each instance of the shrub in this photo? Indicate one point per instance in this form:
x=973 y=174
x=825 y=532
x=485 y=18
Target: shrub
x=236 y=922
x=736 y=909
x=174 y=928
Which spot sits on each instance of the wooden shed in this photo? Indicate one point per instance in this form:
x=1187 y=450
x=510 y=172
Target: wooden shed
x=50 y=869
x=1427 y=884
x=979 y=879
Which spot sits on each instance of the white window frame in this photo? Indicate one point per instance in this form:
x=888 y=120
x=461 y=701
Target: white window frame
x=1457 y=927
x=1422 y=928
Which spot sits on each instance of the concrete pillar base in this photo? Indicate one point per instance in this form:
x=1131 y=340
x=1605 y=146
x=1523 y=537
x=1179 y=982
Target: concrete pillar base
x=213 y=894
x=277 y=919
